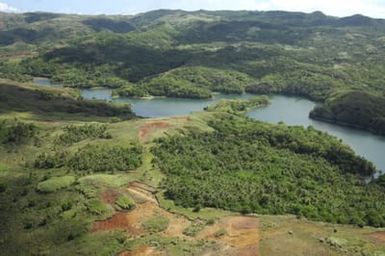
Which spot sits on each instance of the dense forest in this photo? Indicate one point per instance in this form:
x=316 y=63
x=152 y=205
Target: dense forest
x=357 y=109
x=252 y=167
x=193 y=54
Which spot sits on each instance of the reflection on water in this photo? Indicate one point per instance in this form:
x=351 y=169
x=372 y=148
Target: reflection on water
x=295 y=111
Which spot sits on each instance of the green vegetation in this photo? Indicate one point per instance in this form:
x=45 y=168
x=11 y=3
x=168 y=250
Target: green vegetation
x=50 y=160
x=193 y=54
x=55 y=184
x=171 y=87
x=57 y=168
x=194 y=229
x=76 y=133
x=130 y=91
x=60 y=104
x=102 y=158
x=356 y=109
x=124 y=202
x=157 y=223
x=16 y=132
x=238 y=106
x=253 y=167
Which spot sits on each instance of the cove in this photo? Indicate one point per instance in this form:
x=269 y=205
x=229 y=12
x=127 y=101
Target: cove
x=290 y=110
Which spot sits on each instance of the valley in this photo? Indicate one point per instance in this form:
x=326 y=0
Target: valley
x=176 y=132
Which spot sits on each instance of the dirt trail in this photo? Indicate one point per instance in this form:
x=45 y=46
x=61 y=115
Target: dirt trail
x=142 y=192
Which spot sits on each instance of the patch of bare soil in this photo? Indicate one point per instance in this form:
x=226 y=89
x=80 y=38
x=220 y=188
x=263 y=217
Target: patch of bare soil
x=109 y=196
x=127 y=221
x=146 y=207
x=141 y=192
x=236 y=235
x=239 y=235
x=378 y=236
x=151 y=127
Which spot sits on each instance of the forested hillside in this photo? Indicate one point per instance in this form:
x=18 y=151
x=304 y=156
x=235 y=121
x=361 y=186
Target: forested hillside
x=193 y=54
x=354 y=108
x=252 y=167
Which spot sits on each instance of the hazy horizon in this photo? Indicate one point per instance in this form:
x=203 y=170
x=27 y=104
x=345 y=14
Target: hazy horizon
x=371 y=8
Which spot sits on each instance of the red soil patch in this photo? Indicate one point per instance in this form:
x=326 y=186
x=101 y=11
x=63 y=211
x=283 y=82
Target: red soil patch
x=121 y=221
x=109 y=196
x=149 y=128
x=378 y=236
x=127 y=221
x=146 y=207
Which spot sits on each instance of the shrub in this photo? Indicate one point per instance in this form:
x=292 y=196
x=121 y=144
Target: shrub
x=96 y=207
x=124 y=203
x=156 y=224
x=99 y=158
x=49 y=161
x=76 y=133
x=16 y=132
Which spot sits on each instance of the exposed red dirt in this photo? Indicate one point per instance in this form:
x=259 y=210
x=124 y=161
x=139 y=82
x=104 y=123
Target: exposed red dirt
x=378 y=236
x=236 y=235
x=118 y=221
x=109 y=196
x=150 y=127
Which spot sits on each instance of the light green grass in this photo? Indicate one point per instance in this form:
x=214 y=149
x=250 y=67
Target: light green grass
x=156 y=224
x=124 y=202
x=55 y=184
x=204 y=213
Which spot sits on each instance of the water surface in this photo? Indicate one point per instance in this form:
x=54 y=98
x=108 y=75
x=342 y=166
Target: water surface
x=290 y=110
x=295 y=111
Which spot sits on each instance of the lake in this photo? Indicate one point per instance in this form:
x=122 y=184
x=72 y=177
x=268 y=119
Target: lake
x=290 y=110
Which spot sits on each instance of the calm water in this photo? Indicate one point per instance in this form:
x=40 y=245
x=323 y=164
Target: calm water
x=160 y=107
x=295 y=111
x=290 y=110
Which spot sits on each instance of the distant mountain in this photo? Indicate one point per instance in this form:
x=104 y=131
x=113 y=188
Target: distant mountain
x=193 y=54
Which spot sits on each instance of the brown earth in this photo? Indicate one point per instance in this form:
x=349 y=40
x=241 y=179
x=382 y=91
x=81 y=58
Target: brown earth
x=378 y=236
x=240 y=233
x=109 y=196
x=146 y=207
x=150 y=127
